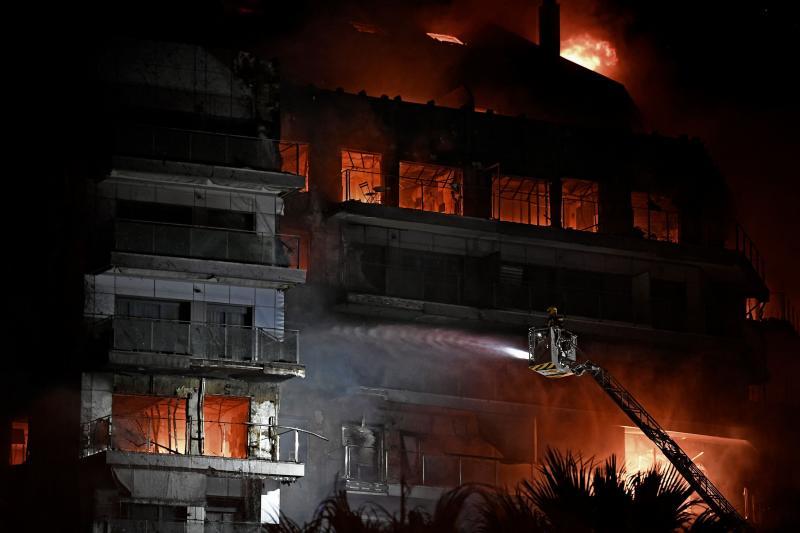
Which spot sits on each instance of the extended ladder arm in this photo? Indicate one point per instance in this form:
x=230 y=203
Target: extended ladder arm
x=682 y=463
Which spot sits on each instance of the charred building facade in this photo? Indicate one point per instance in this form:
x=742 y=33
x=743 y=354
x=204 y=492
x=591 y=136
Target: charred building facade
x=410 y=241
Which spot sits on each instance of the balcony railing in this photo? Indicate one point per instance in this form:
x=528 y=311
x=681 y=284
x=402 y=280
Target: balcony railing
x=200 y=339
x=435 y=195
x=779 y=307
x=124 y=525
x=747 y=248
x=212 y=148
x=432 y=470
x=178 y=240
x=142 y=433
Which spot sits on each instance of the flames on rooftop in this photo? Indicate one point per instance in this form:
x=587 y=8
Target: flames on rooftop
x=444 y=38
x=595 y=54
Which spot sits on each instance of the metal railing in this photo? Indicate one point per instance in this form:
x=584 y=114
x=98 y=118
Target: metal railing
x=431 y=470
x=168 y=435
x=747 y=248
x=414 y=193
x=204 y=147
x=131 y=525
x=363 y=185
x=200 y=339
x=779 y=307
x=444 y=470
x=179 y=240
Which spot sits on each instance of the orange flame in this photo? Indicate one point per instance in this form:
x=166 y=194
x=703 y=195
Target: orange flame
x=595 y=54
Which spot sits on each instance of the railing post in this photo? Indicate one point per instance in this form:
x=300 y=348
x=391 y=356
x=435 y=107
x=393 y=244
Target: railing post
x=460 y=473
x=256 y=343
x=296 y=446
x=423 y=470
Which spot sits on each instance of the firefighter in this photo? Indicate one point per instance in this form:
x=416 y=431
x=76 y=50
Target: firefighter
x=553 y=318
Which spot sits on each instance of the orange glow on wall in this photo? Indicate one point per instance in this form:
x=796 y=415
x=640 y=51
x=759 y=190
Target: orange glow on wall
x=723 y=460
x=431 y=188
x=595 y=54
x=579 y=205
x=19 y=442
x=148 y=424
x=361 y=177
x=226 y=426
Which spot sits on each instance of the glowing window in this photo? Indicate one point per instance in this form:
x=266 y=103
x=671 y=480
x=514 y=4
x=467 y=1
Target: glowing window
x=225 y=426
x=655 y=216
x=579 y=205
x=361 y=176
x=148 y=424
x=444 y=38
x=19 y=442
x=521 y=200
x=431 y=188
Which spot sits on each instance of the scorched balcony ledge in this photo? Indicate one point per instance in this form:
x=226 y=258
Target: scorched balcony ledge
x=204 y=463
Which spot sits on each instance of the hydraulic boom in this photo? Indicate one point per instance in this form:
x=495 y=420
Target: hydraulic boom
x=553 y=354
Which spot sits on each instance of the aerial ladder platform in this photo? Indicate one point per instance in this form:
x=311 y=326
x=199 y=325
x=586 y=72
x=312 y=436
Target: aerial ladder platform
x=553 y=353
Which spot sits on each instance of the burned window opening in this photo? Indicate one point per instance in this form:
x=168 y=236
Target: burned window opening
x=579 y=205
x=655 y=217
x=225 y=426
x=434 y=188
x=18 y=450
x=149 y=424
x=521 y=200
x=361 y=177
x=363 y=452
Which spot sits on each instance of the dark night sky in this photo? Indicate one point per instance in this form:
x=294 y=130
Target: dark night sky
x=726 y=72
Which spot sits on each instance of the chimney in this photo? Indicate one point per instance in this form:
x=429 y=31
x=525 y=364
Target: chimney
x=550 y=27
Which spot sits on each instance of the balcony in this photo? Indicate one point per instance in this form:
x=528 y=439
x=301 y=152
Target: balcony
x=178 y=240
x=213 y=350
x=156 y=246
x=171 y=144
x=427 y=470
x=144 y=441
x=123 y=525
x=419 y=190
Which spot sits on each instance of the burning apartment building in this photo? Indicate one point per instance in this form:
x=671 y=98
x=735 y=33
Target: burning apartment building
x=408 y=219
